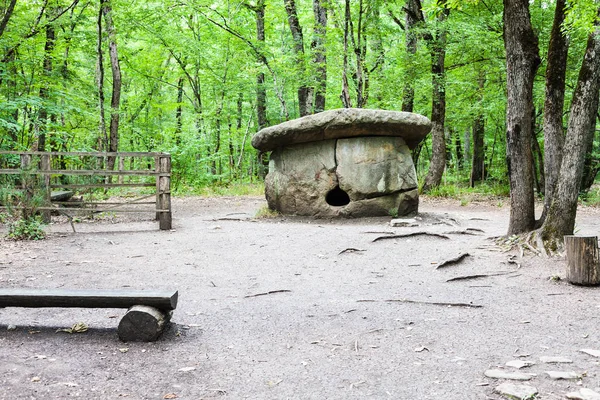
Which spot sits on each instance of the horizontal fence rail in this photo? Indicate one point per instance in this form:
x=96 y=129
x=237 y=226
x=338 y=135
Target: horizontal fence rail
x=92 y=170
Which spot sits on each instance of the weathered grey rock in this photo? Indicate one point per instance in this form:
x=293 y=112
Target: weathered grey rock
x=555 y=360
x=403 y=222
x=300 y=177
x=372 y=176
x=584 y=394
x=518 y=364
x=344 y=123
x=556 y=375
x=517 y=392
x=515 y=376
x=374 y=166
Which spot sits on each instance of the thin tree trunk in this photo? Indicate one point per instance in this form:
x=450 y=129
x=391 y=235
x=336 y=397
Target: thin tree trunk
x=6 y=17
x=478 y=164
x=102 y=143
x=438 y=107
x=261 y=91
x=319 y=54
x=345 y=96
x=522 y=61
x=179 y=111
x=553 y=106
x=305 y=92
x=44 y=89
x=115 y=101
x=408 y=93
x=563 y=209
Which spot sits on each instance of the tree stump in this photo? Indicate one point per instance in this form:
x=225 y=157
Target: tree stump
x=583 y=261
x=143 y=324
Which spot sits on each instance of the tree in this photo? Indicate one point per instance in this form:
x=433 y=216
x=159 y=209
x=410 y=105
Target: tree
x=437 y=49
x=560 y=220
x=554 y=104
x=522 y=62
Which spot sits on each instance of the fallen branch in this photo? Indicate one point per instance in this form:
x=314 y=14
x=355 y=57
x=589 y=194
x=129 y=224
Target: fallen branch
x=477 y=276
x=453 y=261
x=409 y=235
x=475 y=230
x=350 y=250
x=267 y=293
x=465 y=232
x=433 y=303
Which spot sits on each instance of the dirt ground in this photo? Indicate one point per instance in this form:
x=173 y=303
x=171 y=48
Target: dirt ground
x=339 y=327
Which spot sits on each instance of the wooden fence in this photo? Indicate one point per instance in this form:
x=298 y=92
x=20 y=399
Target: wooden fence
x=87 y=170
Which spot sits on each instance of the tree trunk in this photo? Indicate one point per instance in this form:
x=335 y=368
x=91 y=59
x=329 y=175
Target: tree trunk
x=261 y=92
x=438 y=106
x=560 y=220
x=408 y=93
x=522 y=61
x=102 y=142
x=44 y=89
x=179 y=112
x=305 y=92
x=6 y=17
x=319 y=54
x=553 y=106
x=345 y=96
x=115 y=101
x=478 y=164
x=591 y=166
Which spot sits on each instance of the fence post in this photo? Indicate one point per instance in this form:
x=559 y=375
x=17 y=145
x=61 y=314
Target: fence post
x=121 y=168
x=45 y=164
x=163 y=183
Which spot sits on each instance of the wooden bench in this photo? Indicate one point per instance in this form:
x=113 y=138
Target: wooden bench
x=149 y=311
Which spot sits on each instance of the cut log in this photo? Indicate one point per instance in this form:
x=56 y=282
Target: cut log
x=143 y=324
x=583 y=261
x=161 y=299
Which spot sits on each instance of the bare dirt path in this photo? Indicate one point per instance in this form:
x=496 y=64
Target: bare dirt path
x=337 y=326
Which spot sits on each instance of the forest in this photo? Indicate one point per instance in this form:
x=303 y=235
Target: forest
x=198 y=79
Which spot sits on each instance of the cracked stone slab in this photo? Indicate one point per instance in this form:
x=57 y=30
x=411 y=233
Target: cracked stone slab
x=556 y=375
x=555 y=360
x=344 y=123
x=516 y=392
x=515 y=376
x=584 y=394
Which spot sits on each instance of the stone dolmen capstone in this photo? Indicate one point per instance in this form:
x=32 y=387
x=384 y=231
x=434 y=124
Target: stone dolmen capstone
x=345 y=162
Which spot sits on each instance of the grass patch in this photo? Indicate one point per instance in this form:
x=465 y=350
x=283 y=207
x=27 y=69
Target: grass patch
x=233 y=189
x=465 y=194
x=266 y=213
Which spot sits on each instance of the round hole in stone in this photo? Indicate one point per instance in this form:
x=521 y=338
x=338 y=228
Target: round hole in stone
x=337 y=197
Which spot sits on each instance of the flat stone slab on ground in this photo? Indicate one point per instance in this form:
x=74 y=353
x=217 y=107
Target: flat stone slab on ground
x=555 y=360
x=556 y=375
x=516 y=392
x=518 y=364
x=584 y=394
x=591 y=352
x=515 y=376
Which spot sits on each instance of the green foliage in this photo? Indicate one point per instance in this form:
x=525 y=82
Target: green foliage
x=21 y=204
x=266 y=213
x=190 y=77
x=31 y=228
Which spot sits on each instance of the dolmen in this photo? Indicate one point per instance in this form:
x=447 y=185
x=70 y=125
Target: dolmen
x=344 y=163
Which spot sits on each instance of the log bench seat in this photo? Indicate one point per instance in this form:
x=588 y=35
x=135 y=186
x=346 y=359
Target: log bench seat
x=149 y=311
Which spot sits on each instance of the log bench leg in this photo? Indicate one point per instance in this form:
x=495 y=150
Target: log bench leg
x=143 y=324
